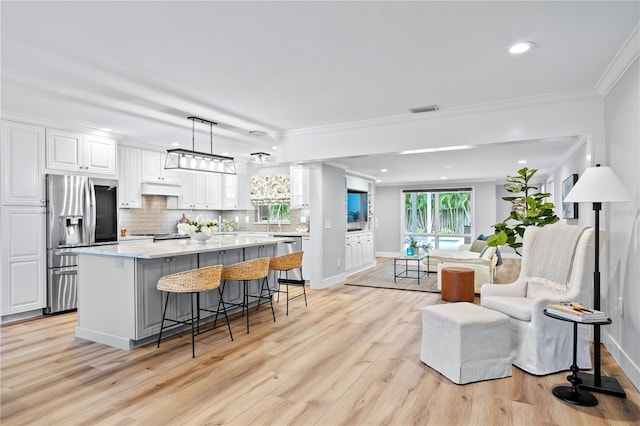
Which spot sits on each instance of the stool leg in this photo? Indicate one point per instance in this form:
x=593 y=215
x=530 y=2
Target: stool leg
x=193 y=331
x=224 y=310
x=273 y=312
x=246 y=302
x=215 y=320
x=304 y=288
x=164 y=313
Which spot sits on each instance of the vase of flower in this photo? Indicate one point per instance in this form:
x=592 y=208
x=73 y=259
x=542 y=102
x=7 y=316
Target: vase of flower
x=200 y=229
x=410 y=251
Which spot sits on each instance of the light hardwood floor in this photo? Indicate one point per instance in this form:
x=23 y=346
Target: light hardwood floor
x=350 y=358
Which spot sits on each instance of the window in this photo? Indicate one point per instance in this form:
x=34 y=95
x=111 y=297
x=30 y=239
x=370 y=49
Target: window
x=273 y=213
x=438 y=218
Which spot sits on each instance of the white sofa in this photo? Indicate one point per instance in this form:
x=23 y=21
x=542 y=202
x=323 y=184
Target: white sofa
x=469 y=256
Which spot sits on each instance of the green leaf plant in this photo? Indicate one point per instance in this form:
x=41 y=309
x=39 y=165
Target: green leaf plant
x=529 y=209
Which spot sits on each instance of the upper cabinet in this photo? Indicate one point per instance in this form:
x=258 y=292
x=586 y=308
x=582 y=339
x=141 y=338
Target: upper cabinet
x=22 y=159
x=230 y=192
x=152 y=168
x=192 y=190
x=76 y=152
x=299 y=187
x=212 y=191
x=129 y=195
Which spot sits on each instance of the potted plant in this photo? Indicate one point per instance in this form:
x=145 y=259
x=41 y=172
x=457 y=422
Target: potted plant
x=529 y=209
x=412 y=248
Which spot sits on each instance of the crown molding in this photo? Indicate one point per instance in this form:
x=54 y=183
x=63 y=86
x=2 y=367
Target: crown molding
x=509 y=104
x=627 y=54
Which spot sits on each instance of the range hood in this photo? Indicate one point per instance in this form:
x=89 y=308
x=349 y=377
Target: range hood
x=170 y=190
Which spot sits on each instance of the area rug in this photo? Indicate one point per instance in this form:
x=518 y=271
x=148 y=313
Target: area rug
x=382 y=277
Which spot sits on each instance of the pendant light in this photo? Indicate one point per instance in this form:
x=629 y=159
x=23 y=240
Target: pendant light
x=183 y=159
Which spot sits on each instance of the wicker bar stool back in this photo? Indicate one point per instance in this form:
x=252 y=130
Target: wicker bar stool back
x=255 y=269
x=191 y=282
x=282 y=265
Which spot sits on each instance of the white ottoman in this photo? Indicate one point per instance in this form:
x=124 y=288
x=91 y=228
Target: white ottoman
x=466 y=342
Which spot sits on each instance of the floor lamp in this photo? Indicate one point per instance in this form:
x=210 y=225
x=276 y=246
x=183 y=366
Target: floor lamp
x=598 y=185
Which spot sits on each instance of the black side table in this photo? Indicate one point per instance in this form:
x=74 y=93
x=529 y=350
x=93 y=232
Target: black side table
x=572 y=394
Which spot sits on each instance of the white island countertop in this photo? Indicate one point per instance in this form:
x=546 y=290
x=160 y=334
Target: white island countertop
x=158 y=249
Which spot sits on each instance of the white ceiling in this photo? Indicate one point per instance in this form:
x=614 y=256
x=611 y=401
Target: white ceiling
x=141 y=68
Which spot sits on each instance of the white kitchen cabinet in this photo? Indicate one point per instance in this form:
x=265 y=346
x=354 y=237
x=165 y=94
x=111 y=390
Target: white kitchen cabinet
x=22 y=159
x=76 y=152
x=152 y=168
x=213 y=191
x=306 y=258
x=299 y=186
x=192 y=190
x=23 y=259
x=229 y=192
x=129 y=195
x=359 y=250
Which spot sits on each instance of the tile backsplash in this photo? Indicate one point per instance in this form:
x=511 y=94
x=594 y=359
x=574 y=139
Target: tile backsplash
x=153 y=217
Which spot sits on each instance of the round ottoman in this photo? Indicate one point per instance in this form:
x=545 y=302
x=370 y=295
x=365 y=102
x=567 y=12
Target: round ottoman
x=457 y=284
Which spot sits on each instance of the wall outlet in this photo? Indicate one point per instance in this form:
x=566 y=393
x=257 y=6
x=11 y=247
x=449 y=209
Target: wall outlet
x=338 y=262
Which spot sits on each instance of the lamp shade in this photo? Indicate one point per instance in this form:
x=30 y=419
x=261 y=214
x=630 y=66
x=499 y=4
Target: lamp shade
x=598 y=185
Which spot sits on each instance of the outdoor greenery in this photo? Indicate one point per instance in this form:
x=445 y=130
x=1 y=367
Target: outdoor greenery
x=273 y=213
x=529 y=209
x=454 y=209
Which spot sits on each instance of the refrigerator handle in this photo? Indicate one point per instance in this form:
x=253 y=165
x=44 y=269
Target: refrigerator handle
x=91 y=222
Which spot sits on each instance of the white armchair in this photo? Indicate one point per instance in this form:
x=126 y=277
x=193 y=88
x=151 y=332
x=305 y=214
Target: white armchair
x=557 y=265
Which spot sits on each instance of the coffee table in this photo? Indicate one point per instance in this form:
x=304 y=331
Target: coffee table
x=409 y=272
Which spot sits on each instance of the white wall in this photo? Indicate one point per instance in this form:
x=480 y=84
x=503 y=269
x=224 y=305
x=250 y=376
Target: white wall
x=388 y=220
x=622 y=222
x=576 y=113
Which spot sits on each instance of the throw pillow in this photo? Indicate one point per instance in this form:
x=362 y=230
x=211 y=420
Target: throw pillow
x=487 y=253
x=477 y=246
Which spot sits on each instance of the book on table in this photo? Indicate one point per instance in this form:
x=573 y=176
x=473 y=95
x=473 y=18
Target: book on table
x=576 y=312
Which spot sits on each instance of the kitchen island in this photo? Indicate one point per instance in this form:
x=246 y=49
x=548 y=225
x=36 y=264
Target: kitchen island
x=118 y=303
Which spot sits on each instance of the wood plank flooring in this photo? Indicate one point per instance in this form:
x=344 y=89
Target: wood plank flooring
x=350 y=358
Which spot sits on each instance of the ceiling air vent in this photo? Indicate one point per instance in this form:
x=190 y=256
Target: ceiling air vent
x=428 y=108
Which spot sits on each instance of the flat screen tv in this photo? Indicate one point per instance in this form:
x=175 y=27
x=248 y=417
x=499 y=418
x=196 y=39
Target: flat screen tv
x=356 y=206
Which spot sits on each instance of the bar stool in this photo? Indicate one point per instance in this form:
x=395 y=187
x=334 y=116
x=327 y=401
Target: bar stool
x=191 y=282
x=255 y=269
x=285 y=263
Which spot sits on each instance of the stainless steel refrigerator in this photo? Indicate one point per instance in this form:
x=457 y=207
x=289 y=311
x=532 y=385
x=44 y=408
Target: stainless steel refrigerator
x=81 y=211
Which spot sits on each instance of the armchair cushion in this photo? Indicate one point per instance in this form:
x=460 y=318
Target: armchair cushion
x=515 y=307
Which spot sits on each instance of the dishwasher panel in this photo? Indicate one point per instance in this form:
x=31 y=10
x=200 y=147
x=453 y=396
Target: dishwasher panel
x=289 y=247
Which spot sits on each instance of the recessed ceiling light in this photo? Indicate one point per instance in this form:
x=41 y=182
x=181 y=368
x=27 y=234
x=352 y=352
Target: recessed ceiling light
x=383 y=170
x=521 y=47
x=443 y=177
x=448 y=166
x=274 y=147
x=522 y=161
x=106 y=129
x=175 y=144
x=378 y=180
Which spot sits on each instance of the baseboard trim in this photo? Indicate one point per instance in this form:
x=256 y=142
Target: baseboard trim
x=630 y=369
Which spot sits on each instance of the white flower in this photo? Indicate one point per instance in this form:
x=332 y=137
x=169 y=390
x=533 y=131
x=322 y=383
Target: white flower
x=185 y=228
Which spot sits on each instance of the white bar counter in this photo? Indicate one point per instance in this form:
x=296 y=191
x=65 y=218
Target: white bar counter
x=118 y=303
